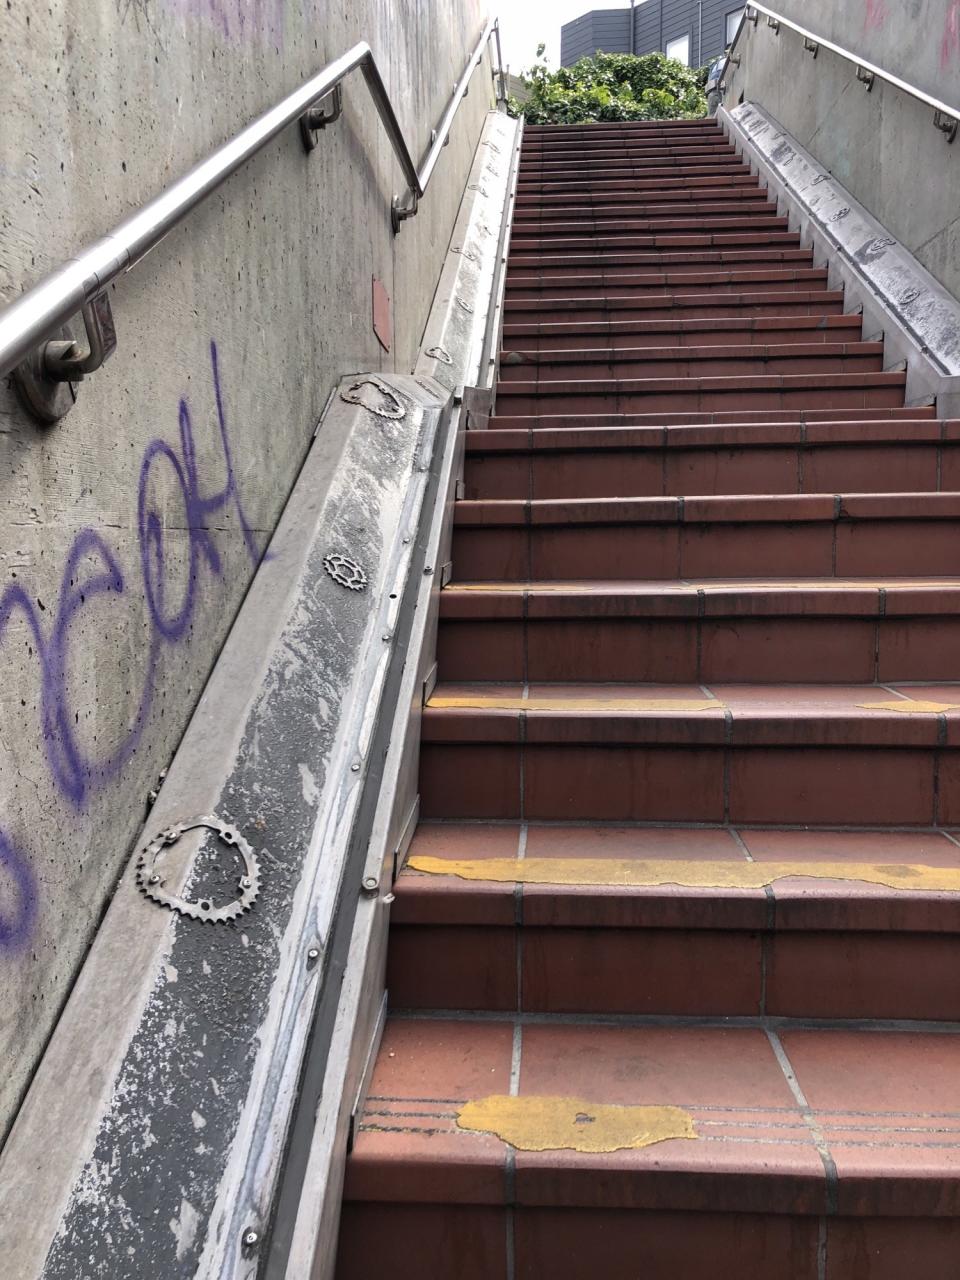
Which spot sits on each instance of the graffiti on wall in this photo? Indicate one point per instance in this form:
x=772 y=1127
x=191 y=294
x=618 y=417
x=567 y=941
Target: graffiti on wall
x=236 y=21
x=92 y=571
x=950 y=45
x=875 y=15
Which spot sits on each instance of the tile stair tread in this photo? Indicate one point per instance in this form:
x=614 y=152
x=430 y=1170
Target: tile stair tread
x=741 y=418
x=877 y=1132
x=723 y=509
x=718 y=351
x=708 y=598
x=427 y=895
x=734 y=435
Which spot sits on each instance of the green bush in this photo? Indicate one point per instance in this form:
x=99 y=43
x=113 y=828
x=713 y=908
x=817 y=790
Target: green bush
x=612 y=86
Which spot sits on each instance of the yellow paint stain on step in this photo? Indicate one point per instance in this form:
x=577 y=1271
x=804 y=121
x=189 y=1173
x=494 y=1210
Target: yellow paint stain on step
x=689 y=874
x=467 y=702
x=573 y=1124
x=910 y=706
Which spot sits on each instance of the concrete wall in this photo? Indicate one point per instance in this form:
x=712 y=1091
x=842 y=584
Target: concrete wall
x=881 y=145
x=917 y=40
x=131 y=530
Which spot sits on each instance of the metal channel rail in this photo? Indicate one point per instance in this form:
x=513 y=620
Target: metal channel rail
x=945 y=117
x=47 y=360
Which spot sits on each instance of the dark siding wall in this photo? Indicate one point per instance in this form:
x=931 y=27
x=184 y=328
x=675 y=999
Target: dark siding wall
x=656 y=23
x=606 y=29
x=659 y=21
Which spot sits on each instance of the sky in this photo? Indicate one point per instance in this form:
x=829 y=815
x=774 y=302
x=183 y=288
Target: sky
x=526 y=23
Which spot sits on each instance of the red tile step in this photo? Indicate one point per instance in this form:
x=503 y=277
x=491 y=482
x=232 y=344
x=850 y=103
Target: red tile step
x=922 y=456
x=719 y=242
x=596 y=266
x=638 y=284
x=684 y=152
x=631 y=174
x=745 y=418
x=847 y=631
x=749 y=208
x=639 y=203
x=722 y=753
x=636 y=234
x=703 y=393
x=623 y=174
x=623 y=539
x=654 y=172
x=678 y=362
x=565 y=919
x=644 y=188
x=543 y=316
x=829 y=326
x=807 y=1152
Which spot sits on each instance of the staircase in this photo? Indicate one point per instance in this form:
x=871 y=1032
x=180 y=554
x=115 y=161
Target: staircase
x=674 y=967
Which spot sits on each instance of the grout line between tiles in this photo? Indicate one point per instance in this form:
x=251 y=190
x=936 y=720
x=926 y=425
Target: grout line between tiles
x=820 y=1142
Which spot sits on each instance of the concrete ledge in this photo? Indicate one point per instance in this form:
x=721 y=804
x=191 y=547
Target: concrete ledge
x=151 y=1140
x=920 y=320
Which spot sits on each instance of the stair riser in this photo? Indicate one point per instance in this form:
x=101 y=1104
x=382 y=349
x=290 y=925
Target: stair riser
x=550 y=266
x=699 y=400
x=696 y=211
x=717 y=215
x=652 y=783
x=634 y=203
x=682 y=151
x=672 y=650
x=865 y=548
x=437 y=1242
x=645 y=188
x=596 y=275
x=678 y=972
x=657 y=192
x=702 y=367
x=654 y=473
x=714 y=224
x=676 y=283
x=521 y=264
x=627 y=336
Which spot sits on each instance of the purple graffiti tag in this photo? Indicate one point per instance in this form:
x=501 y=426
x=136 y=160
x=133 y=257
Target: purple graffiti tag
x=75 y=773
x=197 y=511
x=16 y=922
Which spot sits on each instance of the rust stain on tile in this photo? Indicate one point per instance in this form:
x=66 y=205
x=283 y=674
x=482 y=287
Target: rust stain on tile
x=574 y=1124
x=690 y=874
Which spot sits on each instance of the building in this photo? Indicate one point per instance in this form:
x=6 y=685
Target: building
x=692 y=31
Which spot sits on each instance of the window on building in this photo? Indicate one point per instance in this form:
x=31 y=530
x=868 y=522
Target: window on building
x=679 y=49
x=733 y=21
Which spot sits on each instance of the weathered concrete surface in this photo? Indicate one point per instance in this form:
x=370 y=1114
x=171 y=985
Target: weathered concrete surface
x=919 y=319
x=130 y=532
x=182 y=1041
x=882 y=146
x=917 y=40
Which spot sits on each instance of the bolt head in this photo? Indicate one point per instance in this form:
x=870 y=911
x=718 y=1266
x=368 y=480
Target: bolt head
x=313 y=953
x=250 y=1238
x=370 y=882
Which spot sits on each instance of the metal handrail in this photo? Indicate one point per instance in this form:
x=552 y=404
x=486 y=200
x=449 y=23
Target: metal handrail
x=37 y=314
x=946 y=118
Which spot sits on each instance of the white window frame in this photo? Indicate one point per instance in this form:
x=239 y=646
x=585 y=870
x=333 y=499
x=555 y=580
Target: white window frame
x=730 y=28
x=680 y=41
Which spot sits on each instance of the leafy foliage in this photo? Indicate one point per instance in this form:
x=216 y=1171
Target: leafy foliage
x=612 y=86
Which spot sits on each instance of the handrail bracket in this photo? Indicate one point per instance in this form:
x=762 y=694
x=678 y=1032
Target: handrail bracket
x=46 y=380
x=327 y=111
